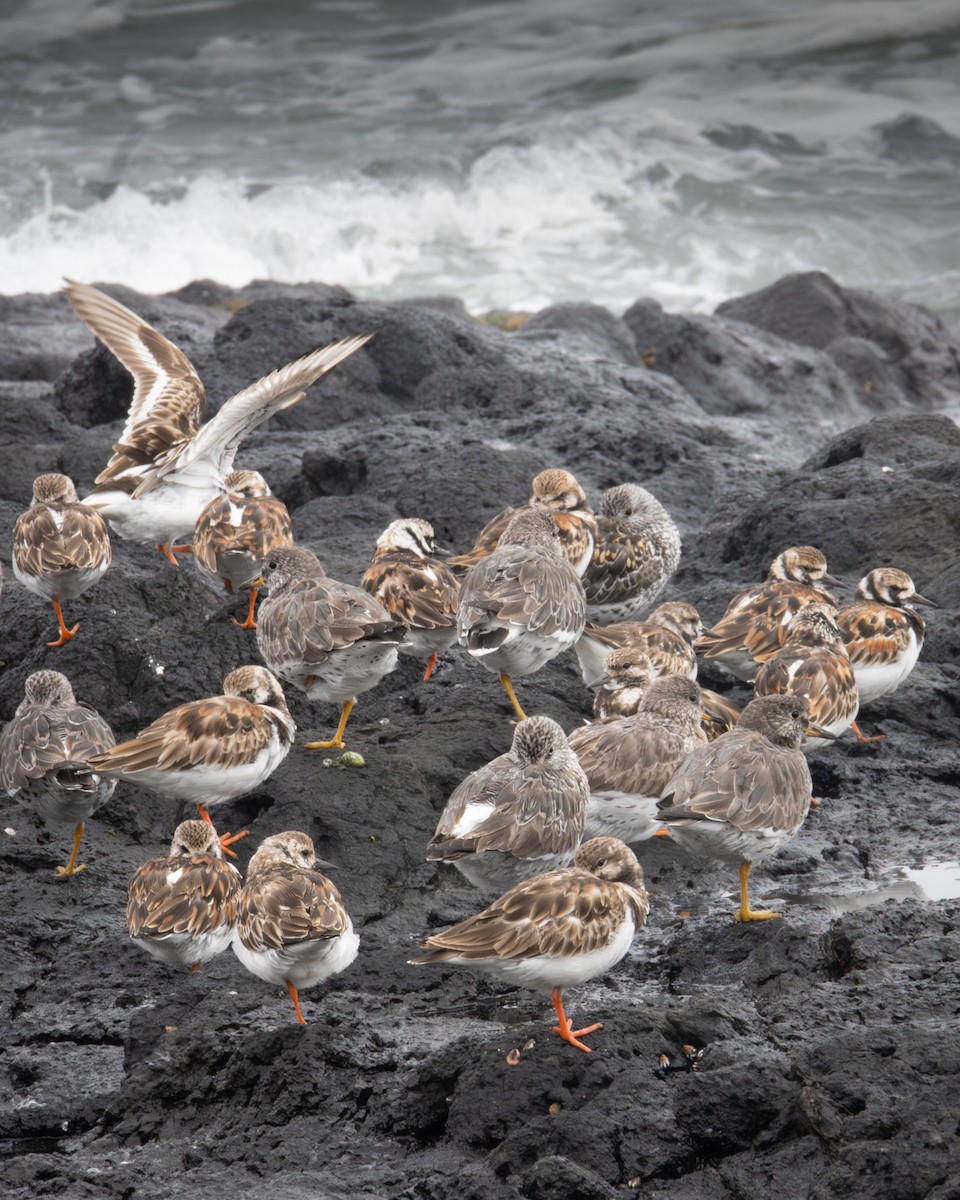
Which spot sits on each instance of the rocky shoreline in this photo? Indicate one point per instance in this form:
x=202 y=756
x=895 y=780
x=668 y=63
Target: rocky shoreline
x=806 y=413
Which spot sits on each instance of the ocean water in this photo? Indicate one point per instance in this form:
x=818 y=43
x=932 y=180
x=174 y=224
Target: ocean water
x=513 y=153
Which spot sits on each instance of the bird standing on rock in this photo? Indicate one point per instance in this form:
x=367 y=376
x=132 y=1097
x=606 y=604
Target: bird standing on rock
x=755 y=624
x=166 y=467
x=558 y=493
x=332 y=640
x=60 y=546
x=555 y=930
x=43 y=756
x=745 y=795
x=883 y=634
x=182 y=908
x=523 y=604
x=635 y=554
x=520 y=815
x=237 y=531
x=414 y=586
x=292 y=927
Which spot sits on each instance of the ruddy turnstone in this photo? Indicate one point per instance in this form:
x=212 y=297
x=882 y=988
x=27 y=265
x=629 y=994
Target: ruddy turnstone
x=814 y=664
x=207 y=752
x=556 y=930
x=629 y=759
x=883 y=634
x=523 y=604
x=166 y=467
x=291 y=926
x=626 y=675
x=636 y=552
x=742 y=797
x=520 y=815
x=60 y=546
x=666 y=637
x=332 y=640
x=182 y=908
x=236 y=532
x=556 y=491
x=43 y=756
x=416 y=588
x=755 y=624
x=720 y=714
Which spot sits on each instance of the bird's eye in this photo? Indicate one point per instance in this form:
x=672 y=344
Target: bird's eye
x=272 y=565
x=795 y=714
x=601 y=862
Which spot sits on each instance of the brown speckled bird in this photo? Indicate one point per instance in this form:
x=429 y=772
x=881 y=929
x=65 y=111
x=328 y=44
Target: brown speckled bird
x=292 y=927
x=43 y=756
x=415 y=587
x=60 y=546
x=556 y=491
x=236 y=532
x=666 y=637
x=182 y=908
x=556 y=930
x=755 y=624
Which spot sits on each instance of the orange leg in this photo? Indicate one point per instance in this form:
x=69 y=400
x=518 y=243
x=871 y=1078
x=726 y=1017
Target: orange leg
x=296 y=1002
x=181 y=549
x=861 y=738
x=194 y=966
x=568 y=1034
x=71 y=868
x=337 y=741
x=65 y=633
x=249 y=623
x=226 y=839
x=431 y=663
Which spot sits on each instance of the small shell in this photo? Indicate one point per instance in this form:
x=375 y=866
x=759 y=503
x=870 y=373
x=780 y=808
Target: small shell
x=513 y=1057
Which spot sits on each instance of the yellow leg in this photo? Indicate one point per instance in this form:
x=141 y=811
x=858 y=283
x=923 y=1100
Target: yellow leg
x=508 y=688
x=746 y=913
x=71 y=868
x=337 y=742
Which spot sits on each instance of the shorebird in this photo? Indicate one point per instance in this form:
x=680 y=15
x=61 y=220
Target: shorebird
x=237 y=531
x=292 y=927
x=43 y=756
x=636 y=552
x=557 y=492
x=166 y=467
x=182 y=908
x=883 y=634
x=523 y=604
x=520 y=815
x=814 y=664
x=627 y=673
x=629 y=759
x=743 y=796
x=556 y=930
x=755 y=623
x=415 y=587
x=666 y=637
x=210 y=751
x=330 y=639
x=60 y=546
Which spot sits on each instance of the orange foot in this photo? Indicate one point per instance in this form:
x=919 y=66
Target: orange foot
x=227 y=840
x=65 y=633
x=249 y=623
x=569 y=1035
x=431 y=663
x=862 y=739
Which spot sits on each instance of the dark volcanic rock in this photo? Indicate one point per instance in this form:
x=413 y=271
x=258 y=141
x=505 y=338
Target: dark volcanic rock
x=829 y=1065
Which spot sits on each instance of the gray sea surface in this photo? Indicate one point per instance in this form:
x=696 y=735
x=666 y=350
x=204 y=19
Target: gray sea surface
x=511 y=152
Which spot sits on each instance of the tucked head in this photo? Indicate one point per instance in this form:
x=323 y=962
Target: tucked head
x=256 y=684
x=532 y=527
x=247 y=484
x=609 y=858
x=814 y=625
x=673 y=696
x=679 y=617
x=287 y=564
x=628 y=666
x=409 y=533
x=629 y=502
x=290 y=849
x=557 y=489
x=194 y=838
x=54 y=489
x=48 y=688
x=891 y=586
x=802 y=564
x=784 y=720
x=537 y=738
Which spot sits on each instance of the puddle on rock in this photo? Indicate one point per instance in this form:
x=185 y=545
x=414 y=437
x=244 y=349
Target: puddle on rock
x=929 y=882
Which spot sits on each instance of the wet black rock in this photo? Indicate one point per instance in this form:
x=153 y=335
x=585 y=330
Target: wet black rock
x=828 y=1064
